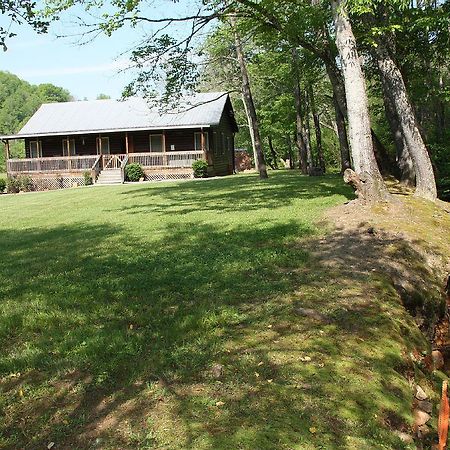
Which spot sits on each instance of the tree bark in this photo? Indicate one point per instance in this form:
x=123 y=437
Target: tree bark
x=273 y=153
x=405 y=167
x=307 y=134
x=318 y=130
x=250 y=129
x=384 y=162
x=291 y=155
x=358 y=110
x=250 y=105
x=395 y=89
x=300 y=137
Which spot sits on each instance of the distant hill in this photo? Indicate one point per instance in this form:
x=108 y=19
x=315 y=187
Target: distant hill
x=19 y=100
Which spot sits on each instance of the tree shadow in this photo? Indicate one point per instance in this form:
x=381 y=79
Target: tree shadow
x=108 y=339
x=235 y=193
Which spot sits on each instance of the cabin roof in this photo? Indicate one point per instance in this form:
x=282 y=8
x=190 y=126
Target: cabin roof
x=96 y=116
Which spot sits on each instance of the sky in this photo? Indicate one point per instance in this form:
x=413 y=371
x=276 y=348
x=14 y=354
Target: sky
x=84 y=70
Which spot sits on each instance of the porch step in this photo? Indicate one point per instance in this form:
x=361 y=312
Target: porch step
x=110 y=176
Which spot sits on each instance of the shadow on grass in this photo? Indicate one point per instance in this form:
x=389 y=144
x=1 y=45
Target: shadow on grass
x=108 y=340
x=237 y=193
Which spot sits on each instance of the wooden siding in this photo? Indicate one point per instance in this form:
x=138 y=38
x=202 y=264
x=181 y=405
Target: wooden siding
x=222 y=151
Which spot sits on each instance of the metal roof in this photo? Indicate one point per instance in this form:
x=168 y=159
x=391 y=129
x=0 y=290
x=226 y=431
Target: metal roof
x=199 y=110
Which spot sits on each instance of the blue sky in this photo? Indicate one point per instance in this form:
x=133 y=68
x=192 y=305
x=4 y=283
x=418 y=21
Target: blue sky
x=85 y=70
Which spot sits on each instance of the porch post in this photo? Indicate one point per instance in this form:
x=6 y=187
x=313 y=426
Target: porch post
x=164 y=148
x=7 y=154
x=69 y=162
x=202 y=137
x=126 y=142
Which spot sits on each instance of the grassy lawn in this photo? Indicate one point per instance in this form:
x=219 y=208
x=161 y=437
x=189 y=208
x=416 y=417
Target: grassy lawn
x=164 y=316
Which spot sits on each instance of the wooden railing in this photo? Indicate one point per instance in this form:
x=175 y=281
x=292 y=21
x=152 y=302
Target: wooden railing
x=54 y=164
x=97 y=163
x=96 y=168
x=113 y=161
x=165 y=159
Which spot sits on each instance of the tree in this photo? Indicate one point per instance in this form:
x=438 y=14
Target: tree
x=372 y=187
x=103 y=97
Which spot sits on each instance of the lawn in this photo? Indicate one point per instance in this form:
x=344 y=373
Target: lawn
x=166 y=316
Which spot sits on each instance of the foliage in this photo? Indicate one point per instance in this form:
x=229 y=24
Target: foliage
x=134 y=172
x=87 y=178
x=2 y=185
x=18 y=184
x=200 y=168
x=19 y=100
x=129 y=297
x=18 y=13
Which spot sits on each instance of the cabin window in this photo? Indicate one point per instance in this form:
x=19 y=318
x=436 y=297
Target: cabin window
x=103 y=146
x=156 y=143
x=68 y=146
x=36 y=149
x=198 y=141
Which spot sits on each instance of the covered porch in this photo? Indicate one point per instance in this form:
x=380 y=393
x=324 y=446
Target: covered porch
x=73 y=155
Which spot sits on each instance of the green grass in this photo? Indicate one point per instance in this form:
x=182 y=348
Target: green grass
x=116 y=302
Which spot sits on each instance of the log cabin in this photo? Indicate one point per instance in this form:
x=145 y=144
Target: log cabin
x=63 y=141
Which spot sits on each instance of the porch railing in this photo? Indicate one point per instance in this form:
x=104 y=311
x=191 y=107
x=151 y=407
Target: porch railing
x=165 y=159
x=53 y=164
x=96 y=163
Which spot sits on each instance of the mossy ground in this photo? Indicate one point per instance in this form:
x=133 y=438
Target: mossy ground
x=117 y=301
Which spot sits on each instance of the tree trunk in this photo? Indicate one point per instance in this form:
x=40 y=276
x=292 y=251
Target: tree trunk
x=300 y=138
x=384 y=162
x=273 y=153
x=250 y=105
x=307 y=134
x=252 y=137
x=372 y=187
x=291 y=155
x=405 y=167
x=395 y=88
x=318 y=131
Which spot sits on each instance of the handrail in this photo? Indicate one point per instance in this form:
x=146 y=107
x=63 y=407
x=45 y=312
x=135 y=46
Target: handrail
x=96 y=169
x=122 y=168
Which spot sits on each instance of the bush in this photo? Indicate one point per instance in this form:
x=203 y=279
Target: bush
x=87 y=178
x=12 y=185
x=2 y=185
x=200 y=168
x=134 y=172
x=18 y=184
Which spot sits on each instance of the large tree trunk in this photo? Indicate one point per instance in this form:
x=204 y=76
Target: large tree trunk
x=250 y=105
x=395 y=88
x=372 y=187
x=318 y=130
x=384 y=162
x=300 y=136
x=405 y=167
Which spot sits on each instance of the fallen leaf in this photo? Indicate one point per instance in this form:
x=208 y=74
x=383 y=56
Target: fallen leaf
x=20 y=393
x=313 y=430
x=270 y=381
x=220 y=403
x=260 y=364
x=256 y=374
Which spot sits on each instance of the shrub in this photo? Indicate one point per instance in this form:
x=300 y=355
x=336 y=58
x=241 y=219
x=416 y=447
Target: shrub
x=2 y=185
x=19 y=184
x=200 y=168
x=134 y=172
x=25 y=184
x=12 y=185
x=87 y=178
